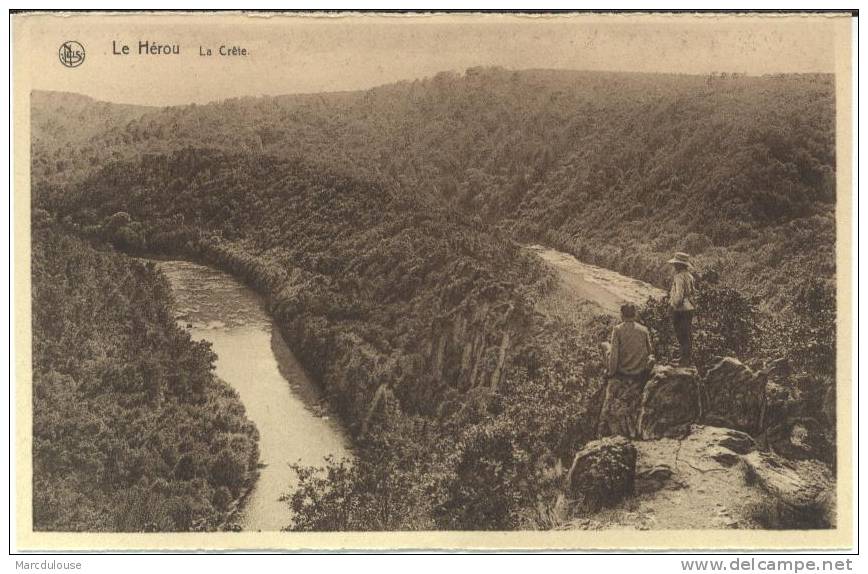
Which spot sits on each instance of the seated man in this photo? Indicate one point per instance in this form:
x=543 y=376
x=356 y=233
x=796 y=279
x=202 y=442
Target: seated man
x=629 y=360
x=630 y=352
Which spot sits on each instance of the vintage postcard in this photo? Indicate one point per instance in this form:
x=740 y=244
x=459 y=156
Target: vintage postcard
x=432 y=280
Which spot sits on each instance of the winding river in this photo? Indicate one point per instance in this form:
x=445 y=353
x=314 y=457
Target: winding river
x=280 y=398
x=283 y=402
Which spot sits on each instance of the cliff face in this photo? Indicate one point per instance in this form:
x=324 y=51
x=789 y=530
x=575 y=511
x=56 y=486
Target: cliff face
x=686 y=426
x=470 y=345
x=467 y=346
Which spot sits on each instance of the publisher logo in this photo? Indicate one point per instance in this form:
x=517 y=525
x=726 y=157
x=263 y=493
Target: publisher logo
x=71 y=54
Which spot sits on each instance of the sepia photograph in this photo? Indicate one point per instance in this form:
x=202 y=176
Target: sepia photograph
x=383 y=280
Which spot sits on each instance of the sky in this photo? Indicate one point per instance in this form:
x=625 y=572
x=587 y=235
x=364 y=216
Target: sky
x=298 y=54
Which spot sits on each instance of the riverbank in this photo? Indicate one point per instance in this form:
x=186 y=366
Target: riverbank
x=279 y=396
x=132 y=432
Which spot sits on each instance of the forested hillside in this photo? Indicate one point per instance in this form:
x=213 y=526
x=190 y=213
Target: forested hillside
x=355 y=272
x=131 y=430
x=384 y=229
x=70 y=133
x=413 y=321
x=619 y=169
x=422 y=326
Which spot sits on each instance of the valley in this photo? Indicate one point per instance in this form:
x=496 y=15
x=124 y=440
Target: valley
x=443 y=256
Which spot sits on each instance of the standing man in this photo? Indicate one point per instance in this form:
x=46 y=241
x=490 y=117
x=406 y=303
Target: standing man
x=682 y=302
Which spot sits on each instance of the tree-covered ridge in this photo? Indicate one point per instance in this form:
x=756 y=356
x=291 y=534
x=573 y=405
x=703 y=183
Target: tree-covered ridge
x=382 y=228
x=423 y=326
x=131 y=430
x=69 y=133
x=618 y=168
x=354 y=271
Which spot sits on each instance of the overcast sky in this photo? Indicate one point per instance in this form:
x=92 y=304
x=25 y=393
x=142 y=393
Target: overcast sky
x=304 y=54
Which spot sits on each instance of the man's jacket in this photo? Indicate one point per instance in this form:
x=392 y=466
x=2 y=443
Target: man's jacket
x=631 y=349
x=682 y=292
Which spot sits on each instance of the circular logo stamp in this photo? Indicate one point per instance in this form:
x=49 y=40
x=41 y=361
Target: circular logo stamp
x=71 y=54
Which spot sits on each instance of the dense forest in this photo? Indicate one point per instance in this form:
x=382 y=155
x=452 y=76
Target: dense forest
x=131 y=430
x=384 y=228
x=619 y=169
x=428 y=310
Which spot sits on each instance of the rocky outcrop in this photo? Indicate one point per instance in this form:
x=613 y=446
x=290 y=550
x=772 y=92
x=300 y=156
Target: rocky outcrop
x=734 y=396
x=709 y=477
x=681 y=463
x=802 y=492
x=682 y=484
x=670 y=402
x=603 y=473
x=470 y=345
x=792 y=415
x=619 y=414
x=723 y=445
x=799 y=420
x=788 y=494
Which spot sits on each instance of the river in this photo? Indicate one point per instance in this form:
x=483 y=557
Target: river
x=283 y=402
x=605 y=288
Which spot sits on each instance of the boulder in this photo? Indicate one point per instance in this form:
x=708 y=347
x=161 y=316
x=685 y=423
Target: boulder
x=603 y=473
x=670 y=402
x=702 y=449
x=621 y=405
x=710 y=446
x=802 y=492
x=799 y=418
x=802 y=438
x=734 y=396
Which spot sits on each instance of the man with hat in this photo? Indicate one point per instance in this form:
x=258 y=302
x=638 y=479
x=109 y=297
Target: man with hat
x=682 y=302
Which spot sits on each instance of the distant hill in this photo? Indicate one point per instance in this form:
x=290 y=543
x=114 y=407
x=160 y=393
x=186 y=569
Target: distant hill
x=71 y=133
x=617 y=168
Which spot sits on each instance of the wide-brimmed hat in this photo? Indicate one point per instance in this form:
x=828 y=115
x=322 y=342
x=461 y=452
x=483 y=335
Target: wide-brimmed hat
x=682 y=258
